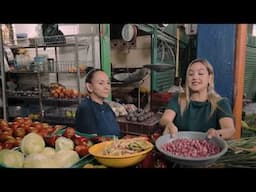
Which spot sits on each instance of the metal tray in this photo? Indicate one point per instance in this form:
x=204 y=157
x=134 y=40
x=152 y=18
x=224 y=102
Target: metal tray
x=136 y=76
x=159 y=67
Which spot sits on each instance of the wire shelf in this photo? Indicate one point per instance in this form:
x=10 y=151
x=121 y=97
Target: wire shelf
x=60 y=101
x=52 y=41
x=70 y=66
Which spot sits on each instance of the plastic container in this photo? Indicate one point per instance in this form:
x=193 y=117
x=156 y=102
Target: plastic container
x=41 y=62
x=50 y=64
x=17 y=111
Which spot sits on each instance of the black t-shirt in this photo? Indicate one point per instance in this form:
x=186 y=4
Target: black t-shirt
x=95 y=118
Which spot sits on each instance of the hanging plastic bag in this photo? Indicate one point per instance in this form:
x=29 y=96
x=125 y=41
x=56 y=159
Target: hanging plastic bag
x=52 y=34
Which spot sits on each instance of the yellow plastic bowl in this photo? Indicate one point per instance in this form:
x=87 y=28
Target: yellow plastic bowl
x=117 y=161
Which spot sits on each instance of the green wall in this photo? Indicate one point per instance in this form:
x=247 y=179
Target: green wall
x=250 y=68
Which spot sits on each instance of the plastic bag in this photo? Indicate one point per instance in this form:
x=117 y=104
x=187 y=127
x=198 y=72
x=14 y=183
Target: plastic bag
x=52 y=34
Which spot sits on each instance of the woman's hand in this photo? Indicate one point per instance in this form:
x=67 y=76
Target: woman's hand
x=167 y=122
x=213 y=133
x=171 y=129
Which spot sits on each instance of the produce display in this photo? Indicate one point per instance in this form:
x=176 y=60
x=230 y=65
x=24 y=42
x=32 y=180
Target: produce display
x=251 y=121
x=126 y=146
x=11 y=158
x=63 y=143
x=32 y=144
x=70 y=140
x=70 y=113
x=193 y=148
x=130 y=108
x=90 y=165
x=49 y=150
x=39 y=160
x=72 y=69
x=241 y=154
x=248 y=125
x=60 y=91
x=139 y=115
x=36 y=145
x=34 y=154
x=118 y=108
x=11 y=133
x=34 y=116
x=123 y=153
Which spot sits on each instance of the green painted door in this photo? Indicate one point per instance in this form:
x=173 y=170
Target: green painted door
x=105 y=49
x=250 y=68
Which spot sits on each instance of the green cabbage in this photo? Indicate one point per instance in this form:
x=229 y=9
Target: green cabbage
x=39 y=160
x=32 y=143
x=66 y=158
x=64 y=143
x=11 y=158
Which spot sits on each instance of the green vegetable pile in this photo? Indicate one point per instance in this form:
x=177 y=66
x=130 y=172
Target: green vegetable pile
x=249 y=126
x=241 y=154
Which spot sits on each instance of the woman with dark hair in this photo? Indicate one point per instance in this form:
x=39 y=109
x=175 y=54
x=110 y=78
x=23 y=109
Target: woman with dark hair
x=93 y=115
x=199 y=108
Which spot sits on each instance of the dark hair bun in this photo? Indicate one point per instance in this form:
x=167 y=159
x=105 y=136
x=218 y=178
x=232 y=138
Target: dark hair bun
x=88 y=69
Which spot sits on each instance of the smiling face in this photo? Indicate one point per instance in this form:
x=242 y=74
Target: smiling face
x=99 y=86
x=198 y=77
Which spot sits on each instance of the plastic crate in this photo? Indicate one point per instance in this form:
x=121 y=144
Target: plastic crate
x=147 y=127
x=161 y=97
x=136 y=129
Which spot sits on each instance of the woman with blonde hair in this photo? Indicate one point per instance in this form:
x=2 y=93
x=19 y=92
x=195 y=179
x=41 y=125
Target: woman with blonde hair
x=199 y=108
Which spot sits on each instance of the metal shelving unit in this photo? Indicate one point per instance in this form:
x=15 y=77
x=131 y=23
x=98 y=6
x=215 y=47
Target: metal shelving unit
x=77 y=53
x=2 y=76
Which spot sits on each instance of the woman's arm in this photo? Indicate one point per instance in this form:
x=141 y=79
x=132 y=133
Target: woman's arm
x=167 y=122
x=226 y=122
x=227 y=128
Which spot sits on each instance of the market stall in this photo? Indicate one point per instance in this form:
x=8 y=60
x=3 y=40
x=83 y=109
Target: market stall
x=51 y=140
